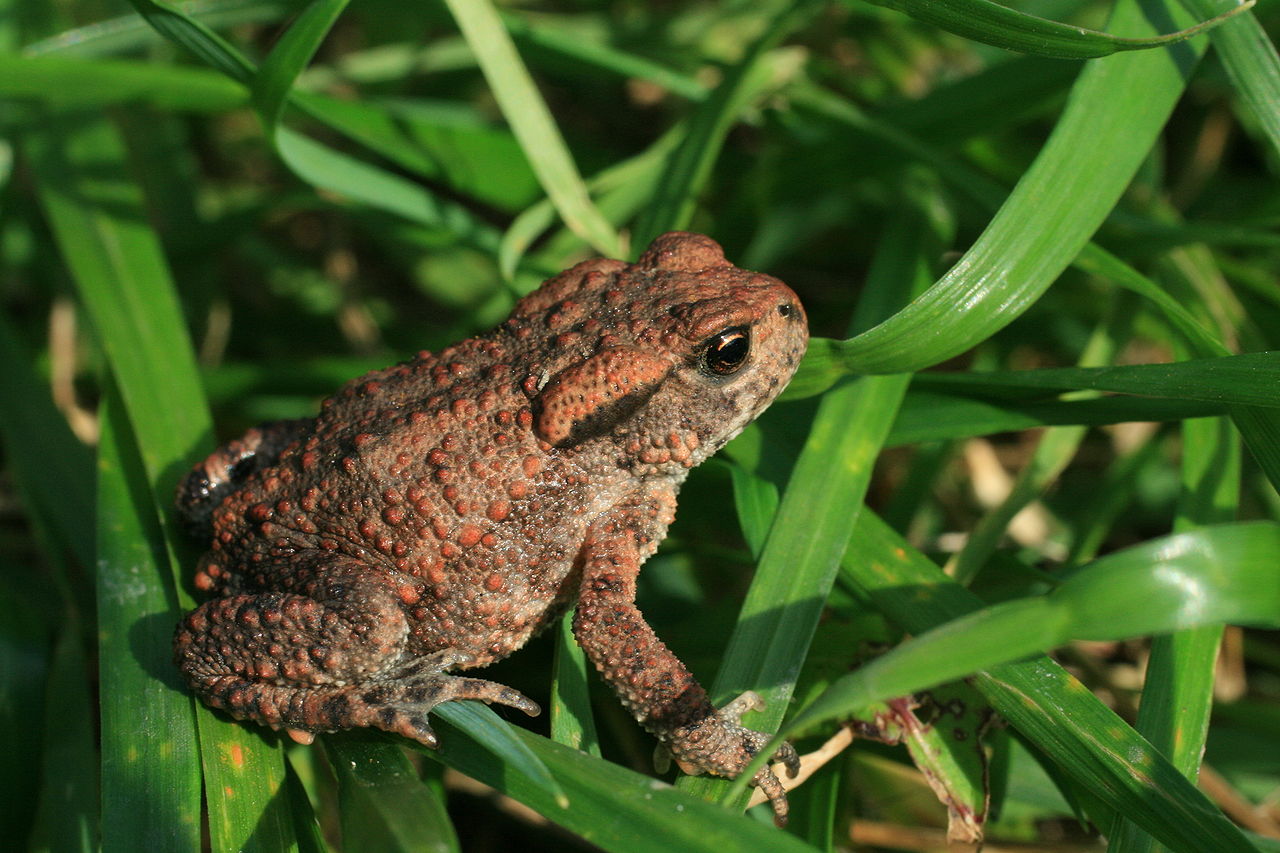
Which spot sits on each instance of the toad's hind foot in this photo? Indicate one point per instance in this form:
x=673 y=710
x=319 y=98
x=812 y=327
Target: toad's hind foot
x=400 y=706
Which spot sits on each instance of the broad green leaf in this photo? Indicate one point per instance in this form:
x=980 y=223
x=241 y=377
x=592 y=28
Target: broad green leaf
x=994 y=24
x=527 y=113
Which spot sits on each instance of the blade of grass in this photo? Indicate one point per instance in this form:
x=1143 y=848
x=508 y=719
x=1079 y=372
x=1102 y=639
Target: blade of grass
x=99 y=219
x=289 y=57
x=690 y=164
x=383 y=804
x=1115 y=111
x=64 y=83
x=1041 y=700
x=150 y=755
x=801 y=555
x=926 y=416
x=1000 y=26
x=610 y=806
x=531 y=121
x=1251 y=62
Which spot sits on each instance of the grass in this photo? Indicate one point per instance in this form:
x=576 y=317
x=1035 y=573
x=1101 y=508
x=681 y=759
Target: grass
x=1038 y=424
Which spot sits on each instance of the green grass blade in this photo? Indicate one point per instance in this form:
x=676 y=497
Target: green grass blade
x=289 y=57
x=527 y=113
x=571 y=721
x=690 y=164
x=1250 y=379
x=98 y=217
x=196 y=37
x=1251 y=62
x=926 y=416
x=1000 y=26
x=330 y=169
x=112 y=36
x=615 y=808
x=1116 y=110
x=1046 y=704
x=150 y=757
x=65 y=83
x=384 y=805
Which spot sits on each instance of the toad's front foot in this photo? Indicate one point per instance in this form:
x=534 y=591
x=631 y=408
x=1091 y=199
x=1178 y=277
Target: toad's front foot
x=722 y=746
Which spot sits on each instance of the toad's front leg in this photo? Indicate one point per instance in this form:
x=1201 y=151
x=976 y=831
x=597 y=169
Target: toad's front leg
x=651 y=681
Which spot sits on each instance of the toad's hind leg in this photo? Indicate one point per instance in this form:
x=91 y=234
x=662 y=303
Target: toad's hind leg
x=322 y=664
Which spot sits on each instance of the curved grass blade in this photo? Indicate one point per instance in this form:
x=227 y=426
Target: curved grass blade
x=1038 y=697
x=1118 y=106
x=289 y=57
x=615 y=808
x=1000 y=26
x=1251 y=62
x=531 y=121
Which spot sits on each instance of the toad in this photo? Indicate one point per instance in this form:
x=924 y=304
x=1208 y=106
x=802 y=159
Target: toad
x=437 y=514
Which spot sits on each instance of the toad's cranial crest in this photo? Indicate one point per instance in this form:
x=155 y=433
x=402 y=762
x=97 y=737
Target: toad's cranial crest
x=438 y=513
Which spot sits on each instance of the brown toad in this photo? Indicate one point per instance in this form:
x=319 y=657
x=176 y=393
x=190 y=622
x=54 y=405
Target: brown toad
x=439 y=513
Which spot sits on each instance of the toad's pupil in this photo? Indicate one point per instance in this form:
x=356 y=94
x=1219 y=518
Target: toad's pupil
x=728 y=351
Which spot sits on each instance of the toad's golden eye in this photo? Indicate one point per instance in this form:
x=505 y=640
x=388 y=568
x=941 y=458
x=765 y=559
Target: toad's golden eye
x=727 y=351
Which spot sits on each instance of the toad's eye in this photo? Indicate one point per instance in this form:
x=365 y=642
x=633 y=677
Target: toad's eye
x=726 y=352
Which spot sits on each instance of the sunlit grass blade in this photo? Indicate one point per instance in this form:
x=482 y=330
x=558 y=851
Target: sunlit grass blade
x=531 y=121
x=615 y=808
x=1040 y=699
x=801 y=554
x=1118 y=106
x=98 y=216
x=150 y=756
x=994 y=24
